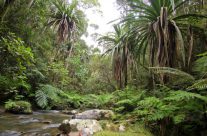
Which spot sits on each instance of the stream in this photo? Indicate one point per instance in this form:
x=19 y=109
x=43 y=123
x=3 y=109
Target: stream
x=40 y=123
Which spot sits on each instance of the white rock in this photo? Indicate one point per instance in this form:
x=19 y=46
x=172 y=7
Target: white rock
x=81 y=124
x=74 y=112
x=121 y=128
x=66 y=121
x=95 y=114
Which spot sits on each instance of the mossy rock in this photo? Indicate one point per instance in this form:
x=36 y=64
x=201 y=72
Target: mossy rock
x=18 y=107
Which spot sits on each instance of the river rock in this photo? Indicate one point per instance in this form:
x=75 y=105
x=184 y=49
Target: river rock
x=30 y=120
x=10 y=133
x=94 y=114
x=82 y=124
x=65 y=128
x=46 y=121
x=70 y=112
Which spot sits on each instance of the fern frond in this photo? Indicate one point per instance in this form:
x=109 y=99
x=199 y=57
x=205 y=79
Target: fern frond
x=172 y=71
x=46 y=93
x=149 y=102
x=153 y=109
x=179 y=118
x=200 y=85
x=41 y=98
x=183 y=96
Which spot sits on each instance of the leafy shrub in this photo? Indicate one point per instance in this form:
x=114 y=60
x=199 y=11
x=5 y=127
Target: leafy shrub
x=15 y=55
x=76 y=100
x=175 y=108
x=18 y=107
x=13 y=87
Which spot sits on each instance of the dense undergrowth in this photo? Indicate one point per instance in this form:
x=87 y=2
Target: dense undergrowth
x=178 y=112
x=153 y=71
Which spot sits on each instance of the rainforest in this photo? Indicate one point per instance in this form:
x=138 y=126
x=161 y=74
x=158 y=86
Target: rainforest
x=145 y=76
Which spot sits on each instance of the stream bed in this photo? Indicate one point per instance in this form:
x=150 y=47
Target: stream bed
x=40 y=123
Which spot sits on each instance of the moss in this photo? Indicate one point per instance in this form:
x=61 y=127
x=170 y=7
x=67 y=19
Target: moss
x=18 y=107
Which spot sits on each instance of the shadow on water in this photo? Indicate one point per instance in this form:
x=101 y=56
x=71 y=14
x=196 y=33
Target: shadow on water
x=40 y=123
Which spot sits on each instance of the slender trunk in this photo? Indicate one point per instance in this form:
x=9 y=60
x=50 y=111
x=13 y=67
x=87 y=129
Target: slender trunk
x=120 y=81
x=190 y=39
x=30 y=3
x=126 y=66
x=125 y=76
x=69 y=55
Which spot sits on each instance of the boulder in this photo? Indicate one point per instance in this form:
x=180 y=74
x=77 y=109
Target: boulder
x=94 y=114
x=85 y=125
x=65 y=128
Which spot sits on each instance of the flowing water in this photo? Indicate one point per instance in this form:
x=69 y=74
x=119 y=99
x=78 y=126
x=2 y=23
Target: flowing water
x=40 y=123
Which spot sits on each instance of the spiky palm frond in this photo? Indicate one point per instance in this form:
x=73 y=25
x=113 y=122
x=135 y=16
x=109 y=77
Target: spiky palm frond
x=157 y=31
x=120 y=48
x=67 y=19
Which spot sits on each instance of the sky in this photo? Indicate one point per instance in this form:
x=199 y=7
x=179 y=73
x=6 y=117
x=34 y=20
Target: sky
x=109 y=13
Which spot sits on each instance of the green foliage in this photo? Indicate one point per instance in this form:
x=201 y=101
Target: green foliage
x=15 y=56
x=126 y=100
x=58 y=74
x=179 y=96
x=199 y=84
x=98 y=101
x=69 y=20
x=38 y=63
x=172 y=72
x=175 y=106
x=200 y=65
x=13 y=87
x=46 y=94
x=18 y=107
x=73 y=99
x=76 y=100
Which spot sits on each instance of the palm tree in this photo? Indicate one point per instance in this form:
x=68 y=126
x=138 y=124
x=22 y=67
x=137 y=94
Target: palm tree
x=70 y=23
x=157 y=26
x=67 y=20
x=118 y=45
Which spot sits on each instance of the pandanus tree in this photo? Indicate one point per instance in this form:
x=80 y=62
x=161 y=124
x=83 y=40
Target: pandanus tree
x=68 y=21
x=157 y=27
x=118 y=45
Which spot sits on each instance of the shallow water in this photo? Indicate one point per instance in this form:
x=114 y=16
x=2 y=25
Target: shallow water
x=40 y=123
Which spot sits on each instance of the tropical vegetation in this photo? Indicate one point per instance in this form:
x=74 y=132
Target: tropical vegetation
x=151 y=70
